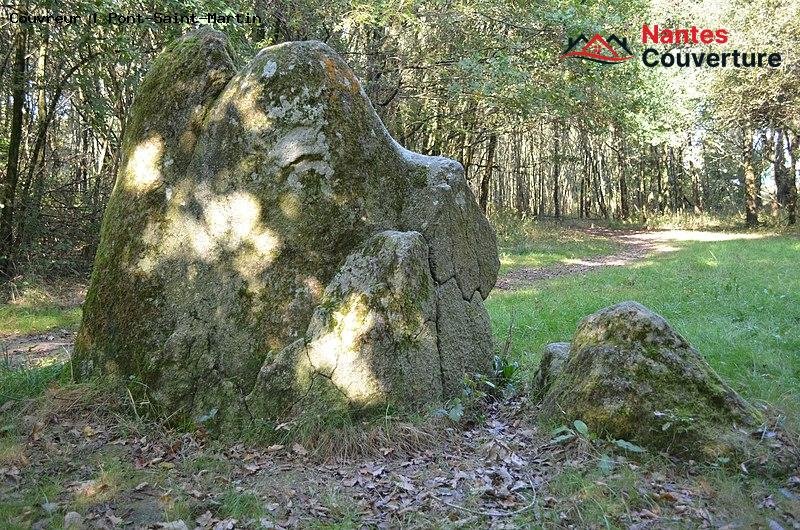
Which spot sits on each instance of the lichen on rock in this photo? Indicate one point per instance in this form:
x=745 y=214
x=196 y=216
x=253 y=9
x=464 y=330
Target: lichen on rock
x=629 y=375
x=268 y=241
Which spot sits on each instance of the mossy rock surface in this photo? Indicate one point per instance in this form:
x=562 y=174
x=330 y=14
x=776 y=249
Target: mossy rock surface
x=243 y=195
x=629 y=375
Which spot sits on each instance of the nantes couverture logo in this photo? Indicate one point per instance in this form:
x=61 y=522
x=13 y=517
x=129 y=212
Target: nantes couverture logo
x=608 y=50
x=682 y=48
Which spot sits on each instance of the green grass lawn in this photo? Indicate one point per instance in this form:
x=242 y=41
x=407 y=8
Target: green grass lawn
x=29 y=306
x=23 y=320
x=737 y=301
x=526 y=243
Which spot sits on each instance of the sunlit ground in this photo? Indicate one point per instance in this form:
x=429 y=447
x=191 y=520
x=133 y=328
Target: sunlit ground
x=630 y=250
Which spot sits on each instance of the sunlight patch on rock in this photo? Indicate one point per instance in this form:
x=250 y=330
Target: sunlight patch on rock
x=144 y=165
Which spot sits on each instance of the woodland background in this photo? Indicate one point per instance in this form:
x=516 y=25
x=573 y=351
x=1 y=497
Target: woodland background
x=476 y=80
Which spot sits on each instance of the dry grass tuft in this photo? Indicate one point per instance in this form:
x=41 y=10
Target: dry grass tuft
x=359 y=441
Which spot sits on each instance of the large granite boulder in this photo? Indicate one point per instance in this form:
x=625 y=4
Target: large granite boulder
x=628 y=375
x=266 y=233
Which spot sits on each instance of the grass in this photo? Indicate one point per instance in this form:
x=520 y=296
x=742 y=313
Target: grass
x=15 y=511
x=240 y=505
x=737 y=301
x=22 y=320
x=653 y=489
x=25 y=384
x=526 y=243
x=31 y=306
x=595 y=497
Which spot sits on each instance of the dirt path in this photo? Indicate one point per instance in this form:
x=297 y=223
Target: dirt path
x=25 y=351
x=634 y=247
x=54 y=345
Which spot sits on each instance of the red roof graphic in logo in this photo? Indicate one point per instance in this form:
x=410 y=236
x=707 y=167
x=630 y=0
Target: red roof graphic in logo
x=598 y=49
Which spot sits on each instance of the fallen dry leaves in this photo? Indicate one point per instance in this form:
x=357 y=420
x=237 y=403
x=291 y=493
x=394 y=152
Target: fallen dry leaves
x=495 y=472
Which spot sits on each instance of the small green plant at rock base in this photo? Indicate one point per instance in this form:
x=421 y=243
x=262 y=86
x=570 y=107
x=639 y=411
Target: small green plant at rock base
x=476 y=389
x=581 y=428
x=628 y=446
x=561 y=435
x=605 y=464
x=506 y=371
x=674 y=421
x=454 y=410
x=138 y=394
x=465 y=407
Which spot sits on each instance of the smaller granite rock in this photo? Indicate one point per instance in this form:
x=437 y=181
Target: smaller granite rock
x=554 y=356
x=628 y=375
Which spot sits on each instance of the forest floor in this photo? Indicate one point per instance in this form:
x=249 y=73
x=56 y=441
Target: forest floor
x=81 y=451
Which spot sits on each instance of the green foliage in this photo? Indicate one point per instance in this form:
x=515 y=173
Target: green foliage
x=581 y=428
x=628 y=446
x=479 y=387
x=561 y=434
x=506 y=374
x=454 y=410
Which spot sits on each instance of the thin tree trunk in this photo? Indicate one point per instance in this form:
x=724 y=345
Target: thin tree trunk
x=559 y=127
x=623 y=186
x=487 y=174
x=779 y=171
x=521 y=198
x=9 y=186
x=791 y=200
x=749 y=178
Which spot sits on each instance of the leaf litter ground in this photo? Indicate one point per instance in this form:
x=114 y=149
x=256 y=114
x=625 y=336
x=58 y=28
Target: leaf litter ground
x=78 y=456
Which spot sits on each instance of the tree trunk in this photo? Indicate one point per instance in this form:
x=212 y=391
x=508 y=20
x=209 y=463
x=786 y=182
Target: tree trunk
x=623 y=187
x=749 y=180
x=520 y=181
x=487 y=174
x=779 y=171
x=791 y=199
x=559 y=128
x=9 y=185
